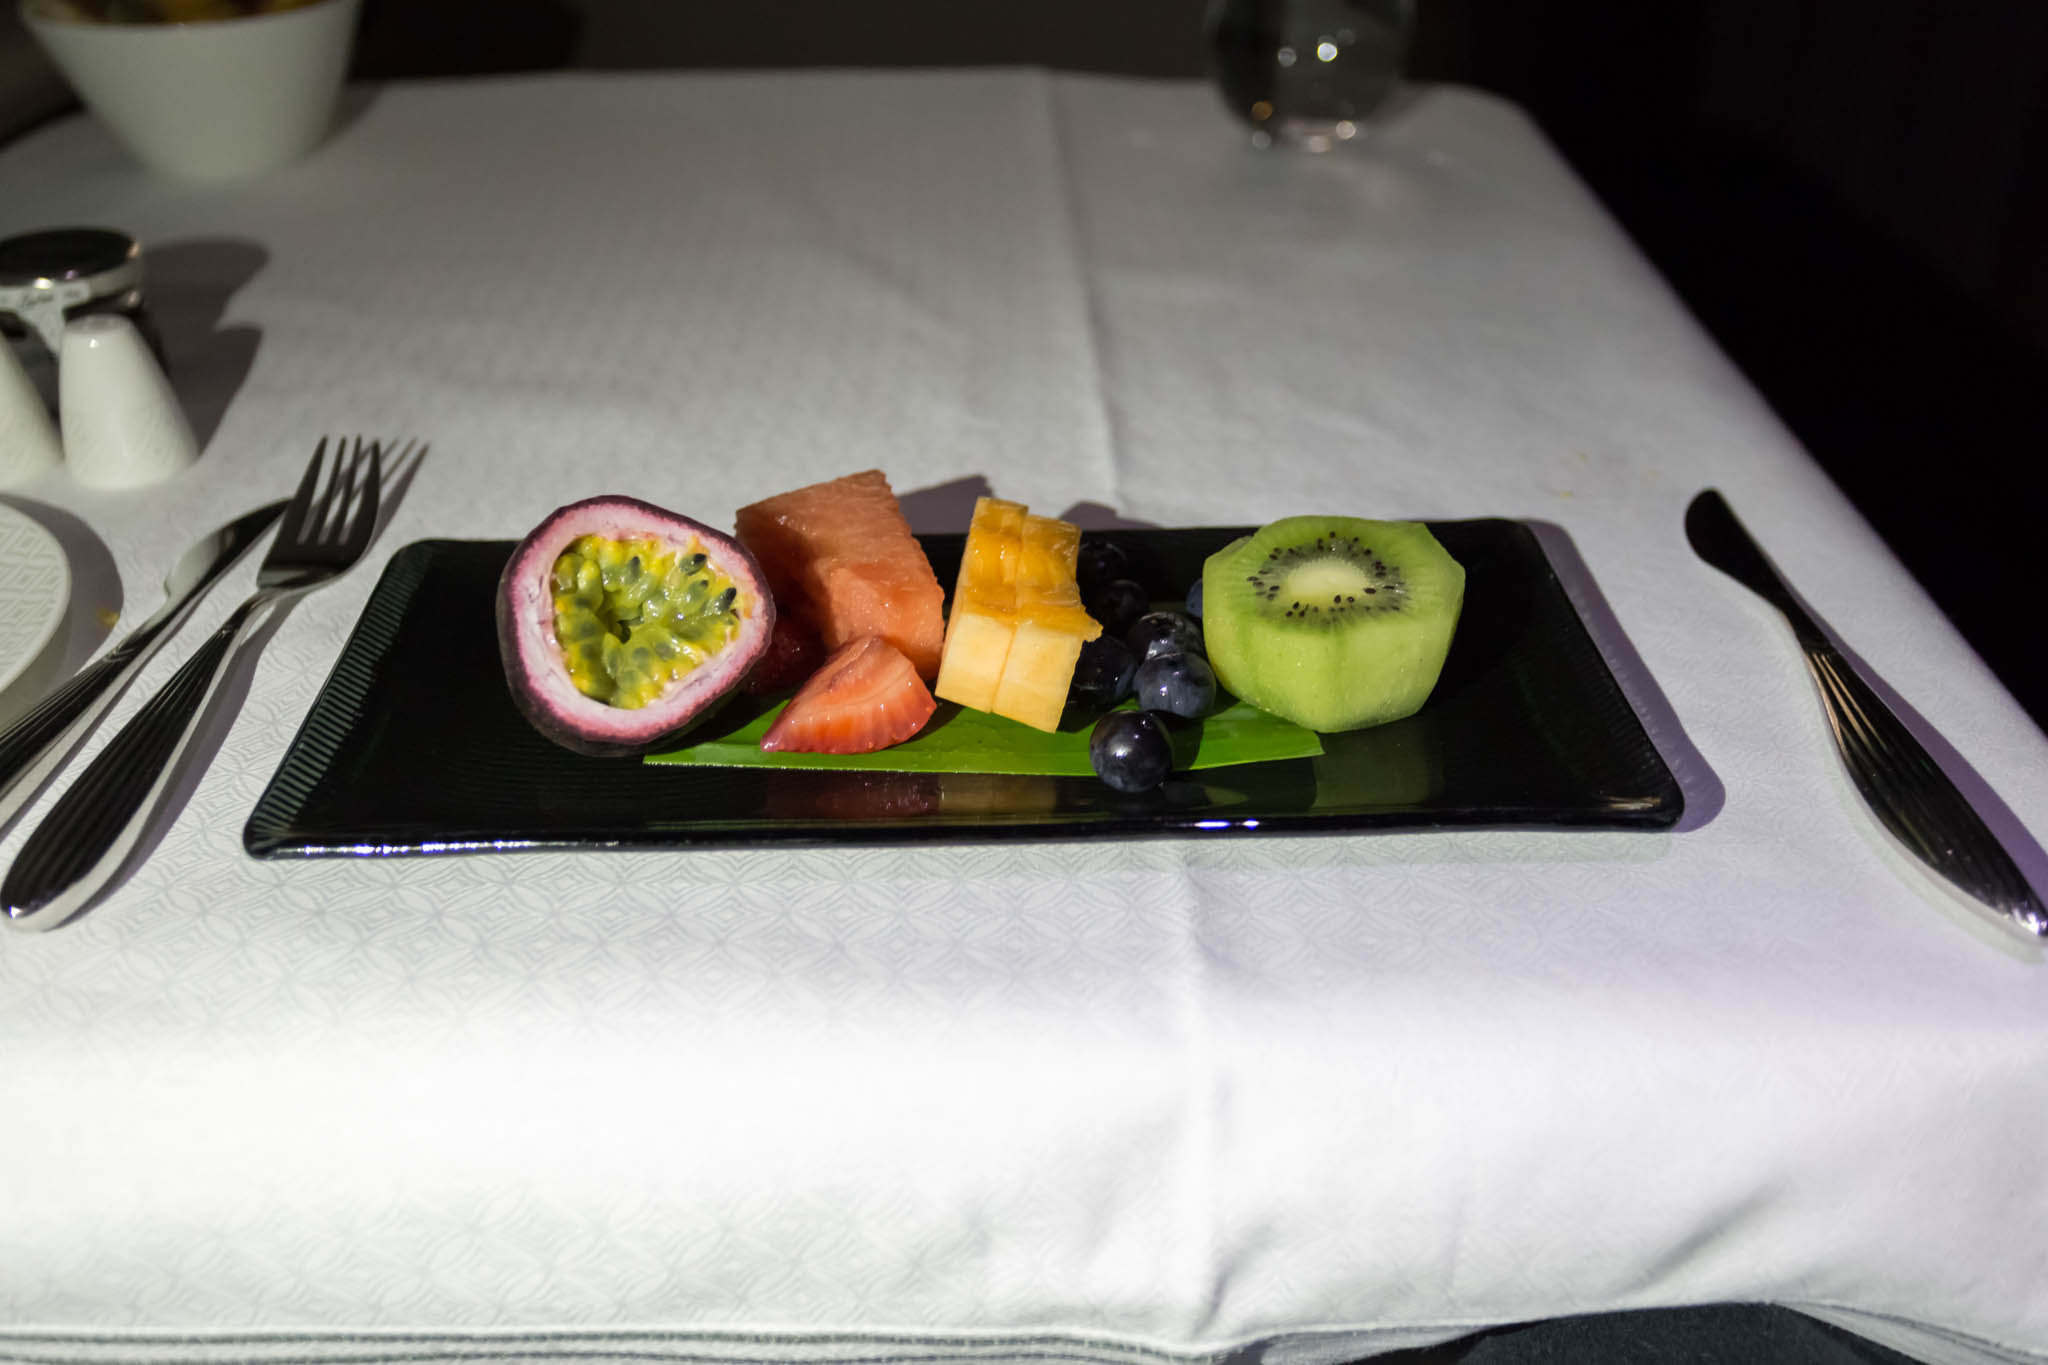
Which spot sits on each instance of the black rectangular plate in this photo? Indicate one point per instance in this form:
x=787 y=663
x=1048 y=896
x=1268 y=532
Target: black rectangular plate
x=413 y=745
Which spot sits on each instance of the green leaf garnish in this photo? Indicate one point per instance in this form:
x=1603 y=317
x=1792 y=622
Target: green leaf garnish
x=959 y=740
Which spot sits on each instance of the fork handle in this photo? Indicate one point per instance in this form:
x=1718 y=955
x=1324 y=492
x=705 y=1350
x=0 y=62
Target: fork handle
x=80 y=846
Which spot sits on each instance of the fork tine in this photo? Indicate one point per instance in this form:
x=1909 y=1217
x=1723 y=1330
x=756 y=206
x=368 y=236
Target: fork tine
x=332 y=510
x=341 y=492
x=298 y=511
x=358 y=534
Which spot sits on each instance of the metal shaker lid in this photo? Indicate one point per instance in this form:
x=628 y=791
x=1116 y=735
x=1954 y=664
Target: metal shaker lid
x=45 y=274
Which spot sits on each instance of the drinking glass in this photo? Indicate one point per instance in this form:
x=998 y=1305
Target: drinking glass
x=1307 y=73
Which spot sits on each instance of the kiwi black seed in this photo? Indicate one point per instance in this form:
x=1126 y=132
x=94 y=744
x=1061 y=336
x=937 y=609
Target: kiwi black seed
x=1381 y=587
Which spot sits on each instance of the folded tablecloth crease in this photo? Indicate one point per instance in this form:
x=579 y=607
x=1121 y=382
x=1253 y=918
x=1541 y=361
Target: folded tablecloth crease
x=1293 y=1098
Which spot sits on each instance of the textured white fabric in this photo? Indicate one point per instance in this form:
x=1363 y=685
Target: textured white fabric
x=1096 y=1101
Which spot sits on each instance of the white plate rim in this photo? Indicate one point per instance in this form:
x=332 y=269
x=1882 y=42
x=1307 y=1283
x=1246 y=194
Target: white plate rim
x=25 y=641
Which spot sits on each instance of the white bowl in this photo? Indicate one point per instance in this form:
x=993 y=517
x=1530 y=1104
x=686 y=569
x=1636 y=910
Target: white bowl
x=213 y=100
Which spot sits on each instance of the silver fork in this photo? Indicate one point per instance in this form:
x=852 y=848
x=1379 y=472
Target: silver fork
x=86 y=839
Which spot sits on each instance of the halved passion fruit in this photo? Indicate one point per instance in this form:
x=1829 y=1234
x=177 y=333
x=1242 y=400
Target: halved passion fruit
x=621 y=624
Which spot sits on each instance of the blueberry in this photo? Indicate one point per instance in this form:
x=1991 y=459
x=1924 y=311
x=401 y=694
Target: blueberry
x=1163 y=632
x=1195 y=600
x=1130 y=750
x=1099 y=562
x=1102 y=675
x=1117 y=604
x=1180 y=684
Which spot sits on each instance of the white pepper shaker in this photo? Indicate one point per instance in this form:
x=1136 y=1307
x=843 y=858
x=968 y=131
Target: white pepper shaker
x=123 y=426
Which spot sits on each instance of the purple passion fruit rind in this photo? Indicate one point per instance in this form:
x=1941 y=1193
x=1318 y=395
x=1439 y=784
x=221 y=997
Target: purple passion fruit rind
x=622 y=624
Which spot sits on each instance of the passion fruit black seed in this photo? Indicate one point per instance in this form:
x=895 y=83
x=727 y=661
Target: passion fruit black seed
x=633 y=616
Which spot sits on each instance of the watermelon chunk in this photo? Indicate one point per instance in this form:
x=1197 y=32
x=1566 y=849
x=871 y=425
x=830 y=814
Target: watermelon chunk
x=840 y=557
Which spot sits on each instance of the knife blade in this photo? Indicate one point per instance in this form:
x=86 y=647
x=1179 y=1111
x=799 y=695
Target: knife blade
x=35 y=746
x=1896 y=776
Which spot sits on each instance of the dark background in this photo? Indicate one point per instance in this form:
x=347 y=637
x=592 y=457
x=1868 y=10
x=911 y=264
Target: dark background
x=1852 y=195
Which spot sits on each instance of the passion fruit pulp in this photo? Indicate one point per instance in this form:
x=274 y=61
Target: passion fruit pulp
x=622 y=624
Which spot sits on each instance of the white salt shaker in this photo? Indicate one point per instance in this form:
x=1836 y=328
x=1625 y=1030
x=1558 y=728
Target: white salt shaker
x=28 y=438
x=123 y=426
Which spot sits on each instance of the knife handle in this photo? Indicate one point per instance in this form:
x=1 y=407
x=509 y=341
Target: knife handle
x=81 y=845
x=1911 y=795
x=37 y=744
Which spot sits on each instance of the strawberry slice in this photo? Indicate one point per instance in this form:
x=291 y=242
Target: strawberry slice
x=867 y=696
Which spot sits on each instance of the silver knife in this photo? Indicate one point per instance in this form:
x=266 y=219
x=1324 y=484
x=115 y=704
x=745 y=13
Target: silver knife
x=1898 y=779
x=37 y=744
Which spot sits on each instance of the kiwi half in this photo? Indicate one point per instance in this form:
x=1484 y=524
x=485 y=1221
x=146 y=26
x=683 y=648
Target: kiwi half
x=1334 y=623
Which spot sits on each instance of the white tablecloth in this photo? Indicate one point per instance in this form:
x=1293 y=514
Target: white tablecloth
x=1081 y=1100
